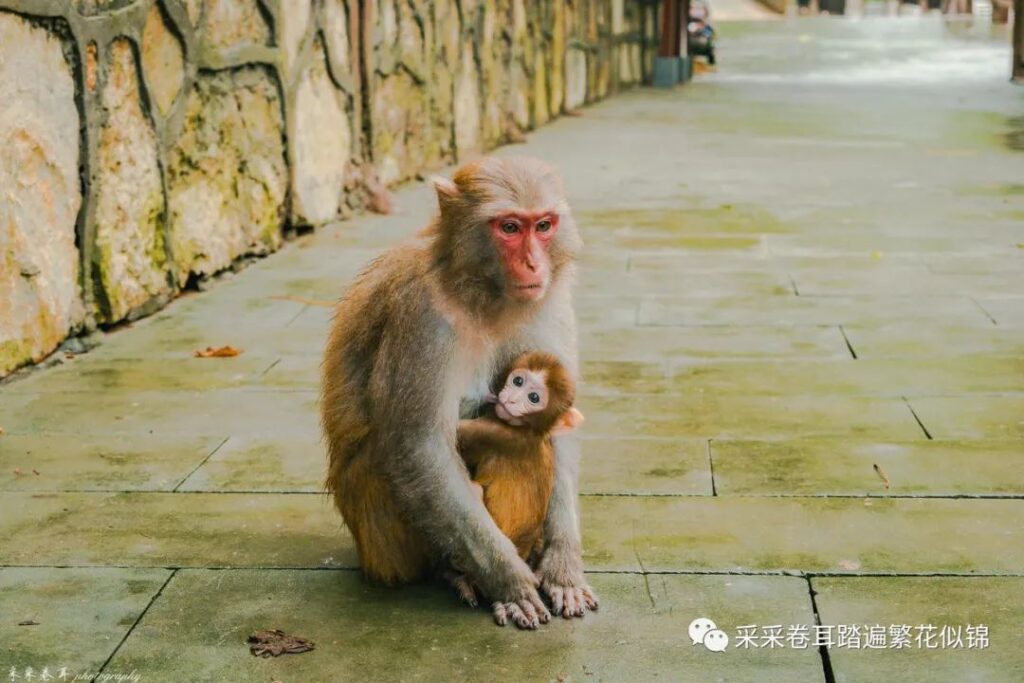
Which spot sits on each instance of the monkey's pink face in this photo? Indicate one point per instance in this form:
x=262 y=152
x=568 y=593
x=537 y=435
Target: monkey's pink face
x=525 y=392
x=524 y=240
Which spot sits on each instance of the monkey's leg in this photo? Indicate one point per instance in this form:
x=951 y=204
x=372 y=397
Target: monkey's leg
x=390 y=551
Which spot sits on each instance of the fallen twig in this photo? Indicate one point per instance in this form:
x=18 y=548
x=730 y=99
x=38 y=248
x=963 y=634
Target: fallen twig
x=881 y=475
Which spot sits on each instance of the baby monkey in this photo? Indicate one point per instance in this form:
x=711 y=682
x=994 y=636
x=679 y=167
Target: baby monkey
x=509 y=454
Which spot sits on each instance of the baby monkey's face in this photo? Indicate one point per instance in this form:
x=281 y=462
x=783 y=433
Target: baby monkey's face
x=525 y=392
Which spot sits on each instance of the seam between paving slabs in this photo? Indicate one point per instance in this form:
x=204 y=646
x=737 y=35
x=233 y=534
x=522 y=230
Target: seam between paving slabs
x=855 y=496
x=159 y=592
x=194 y=470
x=917 y=418
x=651 y=572
x=826 y=659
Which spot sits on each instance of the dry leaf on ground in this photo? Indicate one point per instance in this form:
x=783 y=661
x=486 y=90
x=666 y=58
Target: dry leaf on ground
x=220 y=352
x=275 y=642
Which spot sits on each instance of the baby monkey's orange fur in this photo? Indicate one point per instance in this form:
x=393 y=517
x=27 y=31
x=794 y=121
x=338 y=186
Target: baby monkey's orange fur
x=511 y=457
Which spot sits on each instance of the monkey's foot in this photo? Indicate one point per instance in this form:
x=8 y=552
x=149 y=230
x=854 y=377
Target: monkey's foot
x=462 y=586
x=561 y=578
x=528 y=613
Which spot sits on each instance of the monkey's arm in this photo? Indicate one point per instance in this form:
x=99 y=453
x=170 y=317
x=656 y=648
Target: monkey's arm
x=480 y=436
x=427 y=474
x=561 y=566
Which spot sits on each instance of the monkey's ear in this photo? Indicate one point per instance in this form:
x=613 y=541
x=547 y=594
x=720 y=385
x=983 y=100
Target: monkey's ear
x=447 y=191
x=572 y=419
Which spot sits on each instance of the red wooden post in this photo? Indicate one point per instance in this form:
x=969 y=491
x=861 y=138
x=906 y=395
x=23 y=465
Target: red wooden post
x=1018 y=40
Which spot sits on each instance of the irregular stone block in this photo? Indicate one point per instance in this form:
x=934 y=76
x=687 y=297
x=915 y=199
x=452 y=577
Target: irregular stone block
x=556 y=50
x=93 y=7
x=130 y=257
x=399 y=112
x=336 y=29
x=467 y=106
x=233 y=23
x=226 y=173
x=194 y=9
x=575 y=78
x=294 y=20
x=162 y=59
x=321 y=146
x=39 y=194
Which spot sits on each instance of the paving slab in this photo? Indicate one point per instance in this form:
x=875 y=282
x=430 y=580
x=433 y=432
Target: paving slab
x=893 y=377
x=293 y=464
x=645 y=467
x=621 y=533
x=690 y=284
x=972 y=417
x=804 y=310
x=222 y=411
x=1008 y=310
x=922 y=339
x=712 y=341
x=75 y=618
x=363 y=632
x=745 y=416
x=847 y=468
x=77 y=462
x=297 y=464
x=147 y=374
x=172 y=530
x=821 y=535
x=918 y=280
x=945 y=603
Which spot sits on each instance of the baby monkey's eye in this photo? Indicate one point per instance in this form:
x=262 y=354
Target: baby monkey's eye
x=544 y=225
x=509 y=228
x=518 y=381
x=534 y=397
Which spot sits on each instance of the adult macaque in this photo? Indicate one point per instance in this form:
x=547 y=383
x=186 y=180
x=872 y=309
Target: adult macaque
x=510 y=457
x=424 y=327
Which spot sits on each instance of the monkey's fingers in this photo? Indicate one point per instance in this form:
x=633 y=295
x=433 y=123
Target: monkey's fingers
x=500 y=614
x=573 y=606
x=465 y=590
x=523 y=615
x=590 y=597
x=557 y=599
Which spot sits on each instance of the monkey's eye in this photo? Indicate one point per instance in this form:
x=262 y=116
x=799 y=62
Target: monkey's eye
x=544 y=225
x=509 y=228
x=518 y=381
x=534 y=397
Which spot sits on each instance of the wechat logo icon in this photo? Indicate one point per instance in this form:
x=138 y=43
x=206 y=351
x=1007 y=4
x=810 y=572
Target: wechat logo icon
x=704 y=632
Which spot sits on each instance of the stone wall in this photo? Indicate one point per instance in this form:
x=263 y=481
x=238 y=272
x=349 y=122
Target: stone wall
x=151 y=143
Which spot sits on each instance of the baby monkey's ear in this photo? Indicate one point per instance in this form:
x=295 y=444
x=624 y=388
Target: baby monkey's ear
x=572 y=419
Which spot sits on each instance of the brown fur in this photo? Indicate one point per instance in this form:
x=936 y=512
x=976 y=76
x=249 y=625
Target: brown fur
x=407 y=340
x=515 y=464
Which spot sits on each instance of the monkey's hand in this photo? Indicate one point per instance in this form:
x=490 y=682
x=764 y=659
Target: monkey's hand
x=561 y=577
x=522 y=604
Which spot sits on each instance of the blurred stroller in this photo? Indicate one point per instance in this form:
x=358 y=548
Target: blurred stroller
x=700 y=35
